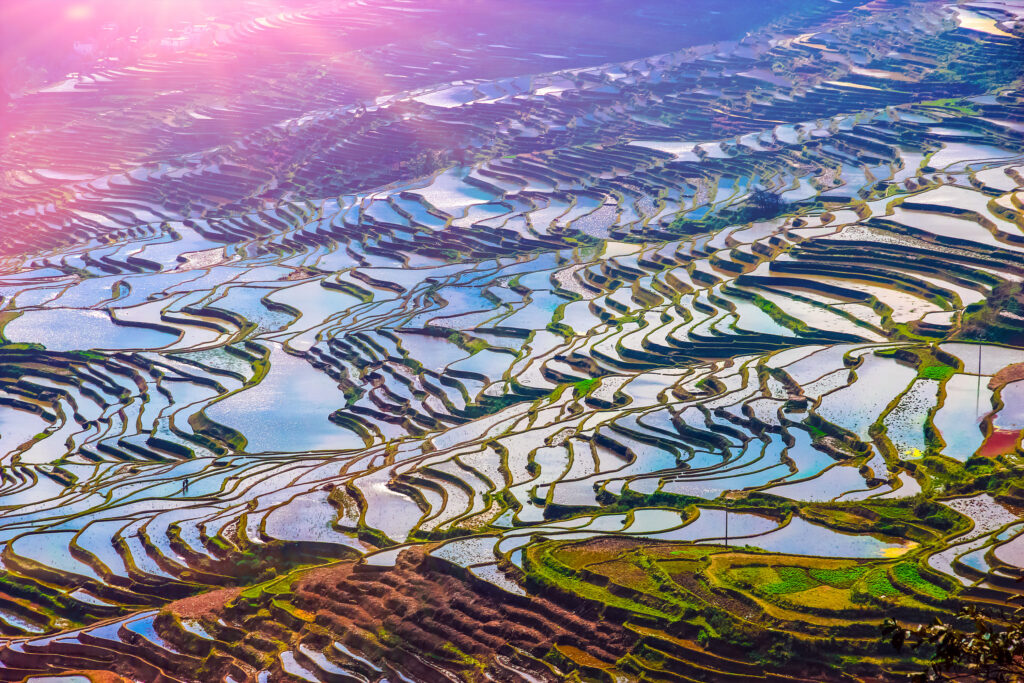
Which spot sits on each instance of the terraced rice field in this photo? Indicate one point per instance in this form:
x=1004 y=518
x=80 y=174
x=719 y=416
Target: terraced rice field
x=498 y=375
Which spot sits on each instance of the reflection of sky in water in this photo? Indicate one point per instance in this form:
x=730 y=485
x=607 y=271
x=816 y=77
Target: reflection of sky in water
x=451 y=195
x=957 y=420
x=800 y=537
x=1011 y=416
x=68 y=330
x=288 y=410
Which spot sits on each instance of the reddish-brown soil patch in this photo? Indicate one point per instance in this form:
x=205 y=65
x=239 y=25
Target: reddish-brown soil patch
x=425 y=608
x=204 y=604
x=1011 y=373
x=421 y=616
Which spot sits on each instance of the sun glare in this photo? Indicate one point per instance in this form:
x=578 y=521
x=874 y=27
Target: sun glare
x=79 y=12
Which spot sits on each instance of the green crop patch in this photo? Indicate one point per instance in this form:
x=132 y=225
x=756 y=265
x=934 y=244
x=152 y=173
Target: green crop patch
x=907 y=573
x=791 y=580
x=843 y=577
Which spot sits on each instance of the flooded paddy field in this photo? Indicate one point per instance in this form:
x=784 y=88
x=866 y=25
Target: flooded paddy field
x=499 y=365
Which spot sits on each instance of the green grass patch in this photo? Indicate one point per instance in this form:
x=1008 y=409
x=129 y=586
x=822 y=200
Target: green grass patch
x=960 y=105
x=937 y=372
x=585 y=386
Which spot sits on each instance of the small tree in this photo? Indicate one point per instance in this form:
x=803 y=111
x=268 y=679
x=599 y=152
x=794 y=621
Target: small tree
x=766 y=202
x=993 y=652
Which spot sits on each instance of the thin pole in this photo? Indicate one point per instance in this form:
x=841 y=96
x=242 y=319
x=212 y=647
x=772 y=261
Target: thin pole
x=977 y=398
